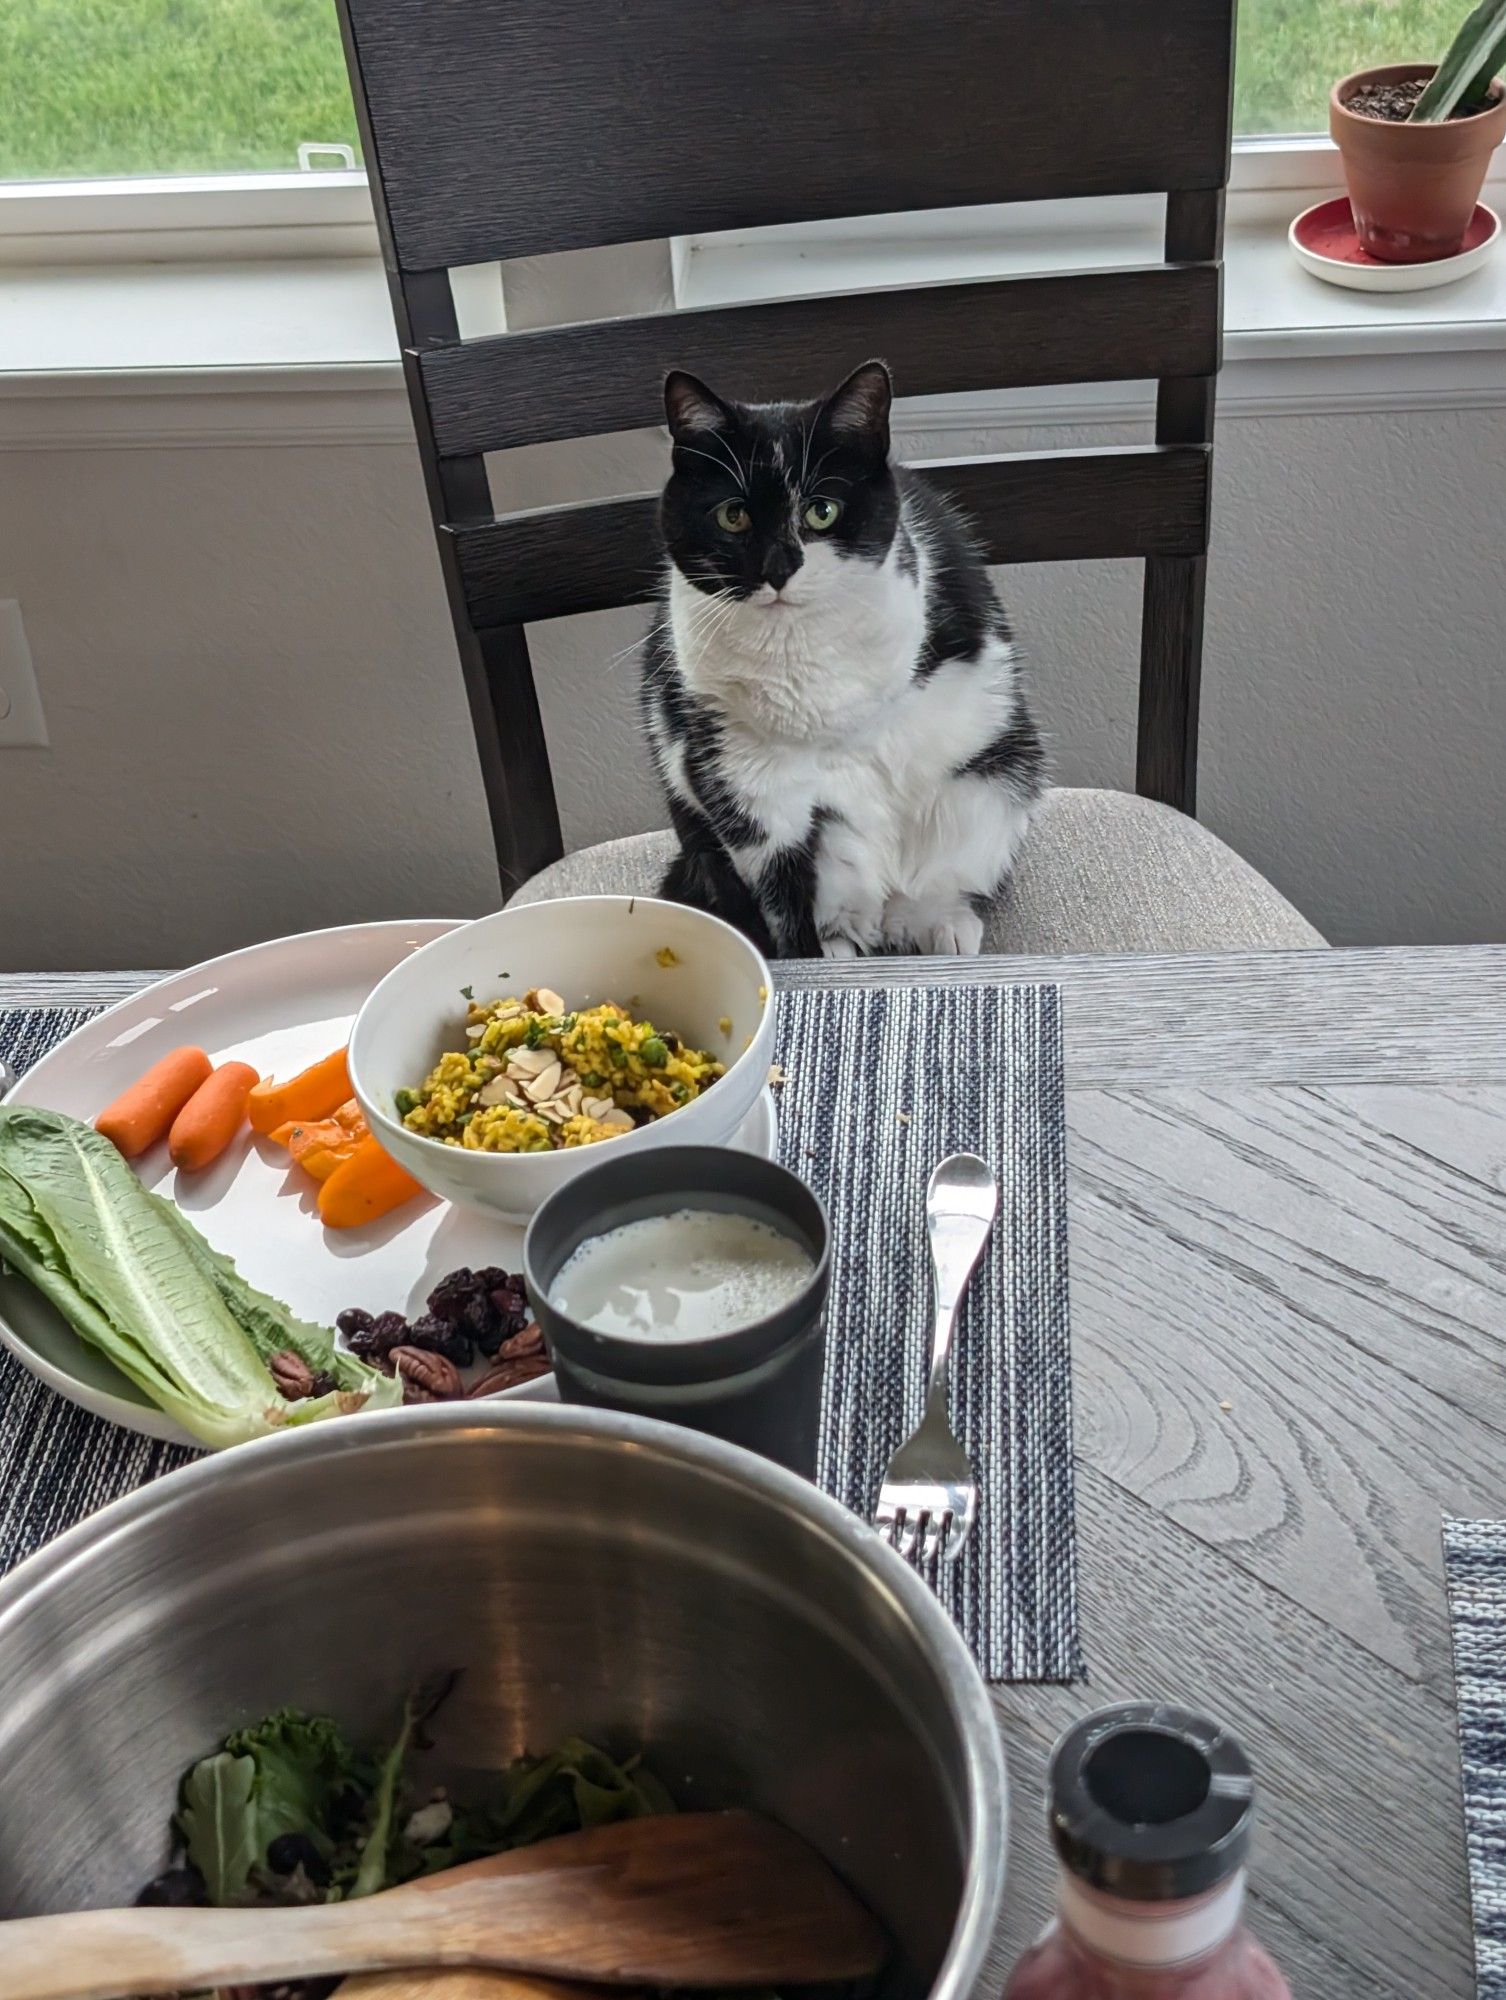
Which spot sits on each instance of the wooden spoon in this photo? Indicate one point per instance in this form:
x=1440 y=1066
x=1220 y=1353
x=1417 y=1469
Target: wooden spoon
x=685 y=1899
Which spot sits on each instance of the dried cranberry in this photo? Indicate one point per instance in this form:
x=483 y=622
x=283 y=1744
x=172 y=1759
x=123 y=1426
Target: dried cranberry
x=354 y=1320
x=389 y=1330
x=493 y=1278
x=175 y=1889
x=290 y=1851
x=365 y=1346
x=487 y=1343
x=478 y=1319
x=510 y=1305
x=323 y=1384
x=449 y=1297
x=429 y=1332
x=459 y=1348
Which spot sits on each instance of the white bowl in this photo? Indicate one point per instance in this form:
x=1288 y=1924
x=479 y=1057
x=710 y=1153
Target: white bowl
x=587 y=949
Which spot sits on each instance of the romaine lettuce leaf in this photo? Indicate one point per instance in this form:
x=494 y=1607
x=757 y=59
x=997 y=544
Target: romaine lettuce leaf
x=135 y=1279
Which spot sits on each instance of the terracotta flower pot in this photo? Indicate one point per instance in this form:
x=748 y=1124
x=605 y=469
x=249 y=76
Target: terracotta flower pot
x=1413 y=188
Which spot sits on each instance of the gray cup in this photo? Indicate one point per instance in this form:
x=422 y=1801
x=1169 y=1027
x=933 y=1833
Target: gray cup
x=759 y=1385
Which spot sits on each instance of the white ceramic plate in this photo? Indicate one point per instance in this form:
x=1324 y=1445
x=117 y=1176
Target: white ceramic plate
x=278 y=1006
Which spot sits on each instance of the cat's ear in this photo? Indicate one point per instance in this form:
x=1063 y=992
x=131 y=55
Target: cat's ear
x=858 y=412
x=691 y=407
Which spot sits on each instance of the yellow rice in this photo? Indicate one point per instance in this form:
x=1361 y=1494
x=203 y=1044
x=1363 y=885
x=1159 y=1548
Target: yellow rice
x=643 y=1070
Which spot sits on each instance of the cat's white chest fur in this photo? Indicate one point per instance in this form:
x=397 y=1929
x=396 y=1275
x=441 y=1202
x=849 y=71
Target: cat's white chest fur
x=824 y=722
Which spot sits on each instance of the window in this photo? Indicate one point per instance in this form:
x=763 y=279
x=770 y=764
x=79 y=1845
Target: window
x=96 y=88
x=102 y=88
x=1291 y=52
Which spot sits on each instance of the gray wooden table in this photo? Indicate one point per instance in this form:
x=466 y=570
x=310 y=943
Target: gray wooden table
x=1288 y=1252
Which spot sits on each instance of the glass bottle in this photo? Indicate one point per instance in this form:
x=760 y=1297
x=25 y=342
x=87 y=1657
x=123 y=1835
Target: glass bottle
x=1150 y=1816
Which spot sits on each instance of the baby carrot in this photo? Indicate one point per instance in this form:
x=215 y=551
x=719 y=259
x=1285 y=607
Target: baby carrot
x=211 y=1117
x=313 y=1093
x=365 y=1186
x=140 y=1116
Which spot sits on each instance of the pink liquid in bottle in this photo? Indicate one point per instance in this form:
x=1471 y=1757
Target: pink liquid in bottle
x=1150 y=1816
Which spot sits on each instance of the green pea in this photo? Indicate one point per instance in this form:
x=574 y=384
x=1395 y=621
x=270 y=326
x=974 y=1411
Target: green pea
x=406 y=1101
x=654 y=1053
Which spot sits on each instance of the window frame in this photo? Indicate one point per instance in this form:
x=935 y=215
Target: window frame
x=328 y=212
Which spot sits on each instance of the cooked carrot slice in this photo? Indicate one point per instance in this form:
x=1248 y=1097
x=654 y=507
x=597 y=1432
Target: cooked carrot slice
x=368 y=1184
x=315 y=1093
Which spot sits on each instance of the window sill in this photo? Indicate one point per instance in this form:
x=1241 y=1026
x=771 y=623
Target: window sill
x=300 y=349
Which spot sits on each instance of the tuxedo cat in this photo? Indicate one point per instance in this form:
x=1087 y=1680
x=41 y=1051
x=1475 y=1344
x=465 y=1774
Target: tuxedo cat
x=830 y=689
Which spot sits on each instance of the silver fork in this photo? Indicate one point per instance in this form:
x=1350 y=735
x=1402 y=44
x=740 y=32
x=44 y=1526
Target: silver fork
x=929 y=1498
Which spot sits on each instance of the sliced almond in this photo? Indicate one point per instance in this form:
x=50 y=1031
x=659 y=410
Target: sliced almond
x=530 y=1062
x=617 y=1121
x=475 y=1031
x=597 y=1107
x=498 y=1091
x=544 y=1001
x=546 y=1084
x=573 y=1097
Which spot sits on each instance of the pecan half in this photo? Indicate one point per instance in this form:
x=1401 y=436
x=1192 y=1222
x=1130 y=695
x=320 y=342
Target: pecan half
x=426 y=1377
x=527 y=1341
x=508 y=1374
x=292 y=1374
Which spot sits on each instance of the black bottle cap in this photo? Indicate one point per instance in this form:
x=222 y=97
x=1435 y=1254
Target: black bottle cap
x=1151 y=1802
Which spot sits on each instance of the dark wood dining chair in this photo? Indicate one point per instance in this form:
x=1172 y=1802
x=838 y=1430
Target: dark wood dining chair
x=505 y=129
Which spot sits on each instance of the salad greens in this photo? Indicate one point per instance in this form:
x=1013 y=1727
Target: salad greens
x=135 y=1279
x=287 y=1775
x=288 y=1809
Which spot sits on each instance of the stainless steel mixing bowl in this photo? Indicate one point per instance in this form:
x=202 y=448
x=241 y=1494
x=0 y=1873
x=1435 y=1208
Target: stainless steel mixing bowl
x=590 y=1573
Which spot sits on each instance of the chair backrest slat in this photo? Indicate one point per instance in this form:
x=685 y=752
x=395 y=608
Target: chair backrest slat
x=510 y=128
x=580 y=381
x=1136 y=500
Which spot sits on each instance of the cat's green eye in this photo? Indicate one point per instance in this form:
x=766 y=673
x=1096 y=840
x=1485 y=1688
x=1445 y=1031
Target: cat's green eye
x=733 y=516
x=823 y=515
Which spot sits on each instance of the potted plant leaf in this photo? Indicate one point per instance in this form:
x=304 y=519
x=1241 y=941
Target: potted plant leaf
x=1416 y=139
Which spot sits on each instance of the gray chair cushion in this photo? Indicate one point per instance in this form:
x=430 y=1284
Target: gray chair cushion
x=1099 y=872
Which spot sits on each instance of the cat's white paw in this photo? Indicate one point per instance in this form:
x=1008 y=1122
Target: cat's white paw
x=839 y=947
x=959 y=934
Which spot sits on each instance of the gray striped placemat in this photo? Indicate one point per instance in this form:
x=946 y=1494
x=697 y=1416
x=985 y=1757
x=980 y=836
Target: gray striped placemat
x=1474 y=1559
x=880 y=1084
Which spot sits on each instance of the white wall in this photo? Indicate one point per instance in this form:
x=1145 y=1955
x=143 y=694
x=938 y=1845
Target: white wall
x=257 y=723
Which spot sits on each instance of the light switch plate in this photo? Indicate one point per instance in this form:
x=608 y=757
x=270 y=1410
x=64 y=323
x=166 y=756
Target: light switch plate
x=22 y=722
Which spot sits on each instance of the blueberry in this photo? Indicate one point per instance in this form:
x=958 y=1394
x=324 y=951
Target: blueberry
x=291 y=1851
x=174 y=1889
